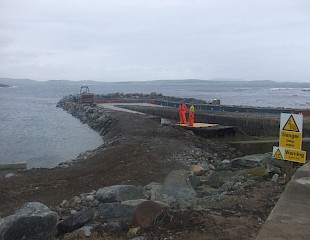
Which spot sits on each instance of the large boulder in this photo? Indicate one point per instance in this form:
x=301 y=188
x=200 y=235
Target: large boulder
x=146 y=213
x=116 y=212
x=76 y=221
x=118 y=193
x=33 y=221
x=177 y=185
x=249 y=161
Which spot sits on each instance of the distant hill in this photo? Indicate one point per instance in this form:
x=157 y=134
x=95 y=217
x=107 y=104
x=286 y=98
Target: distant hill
x=16 y=82
x=211 y=82
x=4 y=85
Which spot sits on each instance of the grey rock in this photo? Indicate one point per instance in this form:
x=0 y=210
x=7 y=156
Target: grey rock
x=275 y=177
x=224 y=167
x=64 y=203
x=76 y=221
x=194 y=161
x=33 y=221
x=225 y=161
x=275 y=165
x=73 y=211
x=76 y=199
x=229 y=185
x=272 y=169
x=169 y=200
x=152 y=188
x=238 y=186
x=205 y=165
x=116 y=211
x=193 y=180
x=177 y=185
x=211 y=167
x=207 y=191
x=249 y=161
x=90 y=198
x=87 y=230
x=112 y=227
x=118 y=193
x=217 y=179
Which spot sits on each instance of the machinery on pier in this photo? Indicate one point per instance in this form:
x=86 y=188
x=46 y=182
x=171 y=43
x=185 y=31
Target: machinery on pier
x=85 y=96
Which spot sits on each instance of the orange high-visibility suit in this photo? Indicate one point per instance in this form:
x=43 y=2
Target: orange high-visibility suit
x=191 y=116
x=182 y=111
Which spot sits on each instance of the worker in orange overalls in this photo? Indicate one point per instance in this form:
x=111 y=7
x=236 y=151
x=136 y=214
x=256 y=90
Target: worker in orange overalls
x=182 y=111
x=191 y=115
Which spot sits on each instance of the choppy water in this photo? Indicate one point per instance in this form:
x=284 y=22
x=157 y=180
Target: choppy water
x=32 y=129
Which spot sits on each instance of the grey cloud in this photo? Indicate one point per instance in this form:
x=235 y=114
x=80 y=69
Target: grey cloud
x=141 y=40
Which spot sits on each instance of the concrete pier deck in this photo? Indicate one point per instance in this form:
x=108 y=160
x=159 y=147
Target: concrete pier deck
x=210 y=130
x=290 y=218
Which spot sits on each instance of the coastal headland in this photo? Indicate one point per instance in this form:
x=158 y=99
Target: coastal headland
x=206 y=188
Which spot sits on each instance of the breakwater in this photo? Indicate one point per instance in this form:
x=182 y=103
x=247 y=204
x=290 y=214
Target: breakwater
x=96 y=118
x=257 y=123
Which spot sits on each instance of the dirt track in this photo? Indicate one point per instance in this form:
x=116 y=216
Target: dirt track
x=139 y=151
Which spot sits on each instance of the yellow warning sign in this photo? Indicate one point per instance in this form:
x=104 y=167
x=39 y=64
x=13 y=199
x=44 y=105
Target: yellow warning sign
x=290 y=140
x=294 y=155
x=278 y=154
x=291 y=125
x=289 y=154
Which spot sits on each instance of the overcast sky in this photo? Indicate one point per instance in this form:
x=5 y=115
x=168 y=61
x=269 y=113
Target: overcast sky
x=155 y=39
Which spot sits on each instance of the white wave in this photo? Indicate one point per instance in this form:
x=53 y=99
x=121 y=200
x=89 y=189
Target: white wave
x=280 y=89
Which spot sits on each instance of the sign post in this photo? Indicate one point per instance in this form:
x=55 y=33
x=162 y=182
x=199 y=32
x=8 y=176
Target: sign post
x=290 y=141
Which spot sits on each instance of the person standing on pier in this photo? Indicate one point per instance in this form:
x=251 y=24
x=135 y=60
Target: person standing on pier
x=191 y=116
x=182 y=111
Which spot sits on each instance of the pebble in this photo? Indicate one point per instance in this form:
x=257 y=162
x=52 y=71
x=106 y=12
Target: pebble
x=87 y=230
x=211 y=167
x=64 y=203
x=90 y=198
x=73 y=211
x=275 y=177
x=225 y=161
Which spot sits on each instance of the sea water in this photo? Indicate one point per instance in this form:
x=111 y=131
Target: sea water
x=33 y=130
